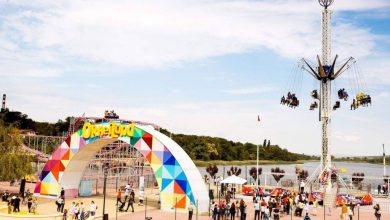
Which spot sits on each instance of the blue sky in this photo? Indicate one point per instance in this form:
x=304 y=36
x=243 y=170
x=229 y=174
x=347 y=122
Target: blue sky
x=196 y=67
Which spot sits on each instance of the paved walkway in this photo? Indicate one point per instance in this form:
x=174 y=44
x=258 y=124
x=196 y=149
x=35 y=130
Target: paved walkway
x=160 y=215
x=47 y=206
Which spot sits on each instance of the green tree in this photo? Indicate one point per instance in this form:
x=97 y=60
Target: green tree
x=14 y=163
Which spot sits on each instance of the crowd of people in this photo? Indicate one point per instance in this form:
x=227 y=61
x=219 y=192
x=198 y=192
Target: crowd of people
x=267 y=207
x=23 y=198
x=224 y=210
x=383 y=189
x=77 y=210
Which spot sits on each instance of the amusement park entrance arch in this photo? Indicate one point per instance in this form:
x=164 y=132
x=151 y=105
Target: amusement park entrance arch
x=177 y=176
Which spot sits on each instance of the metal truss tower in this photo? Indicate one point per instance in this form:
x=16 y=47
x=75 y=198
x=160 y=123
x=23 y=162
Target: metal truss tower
x=325 y=73
x=325 y=86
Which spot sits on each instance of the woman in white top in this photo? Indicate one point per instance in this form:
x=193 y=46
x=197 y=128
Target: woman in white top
x=71 y=209
x=306 y=209
x=92 y=208
x=266 y=213
x=257 y=210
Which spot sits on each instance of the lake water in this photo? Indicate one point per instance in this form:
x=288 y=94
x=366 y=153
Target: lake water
x=367 y=169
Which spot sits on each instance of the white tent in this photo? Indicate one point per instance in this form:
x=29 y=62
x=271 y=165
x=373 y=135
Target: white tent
x=233 y=179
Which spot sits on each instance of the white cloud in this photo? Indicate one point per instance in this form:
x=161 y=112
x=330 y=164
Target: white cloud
x=250 y=91
x=346 y=137
x=159 y=34
x=48 y=38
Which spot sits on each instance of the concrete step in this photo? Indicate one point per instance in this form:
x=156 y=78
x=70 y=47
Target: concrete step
x=330 y=197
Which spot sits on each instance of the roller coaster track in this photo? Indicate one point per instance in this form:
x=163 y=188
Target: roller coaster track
x=39 y=154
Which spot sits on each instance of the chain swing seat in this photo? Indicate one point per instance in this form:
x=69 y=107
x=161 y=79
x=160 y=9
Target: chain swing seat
x=336 y=106
x=313 y=106
x=342 y=94
x=314 y=94
x=362 y=99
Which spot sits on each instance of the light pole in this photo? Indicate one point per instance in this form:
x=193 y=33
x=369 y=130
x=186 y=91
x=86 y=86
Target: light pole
x=257 y=161
x=105 y=216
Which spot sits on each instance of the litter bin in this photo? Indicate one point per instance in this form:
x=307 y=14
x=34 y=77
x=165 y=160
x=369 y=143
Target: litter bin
x=148 y=218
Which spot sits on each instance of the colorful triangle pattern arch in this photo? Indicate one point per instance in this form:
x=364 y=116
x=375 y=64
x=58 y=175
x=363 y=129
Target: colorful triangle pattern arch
x=176 y=174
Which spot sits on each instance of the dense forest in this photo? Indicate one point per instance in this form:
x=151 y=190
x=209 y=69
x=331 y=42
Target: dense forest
x=198 y=147
x=213 y=148
x=21 y=121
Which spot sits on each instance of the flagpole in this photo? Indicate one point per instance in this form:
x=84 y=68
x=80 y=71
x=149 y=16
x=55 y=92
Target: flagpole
x=257 y=168
x=257 y=160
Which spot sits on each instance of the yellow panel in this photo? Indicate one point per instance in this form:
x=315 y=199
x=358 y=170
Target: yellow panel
x=155 y=159
x=45 y=188
x=65 y=162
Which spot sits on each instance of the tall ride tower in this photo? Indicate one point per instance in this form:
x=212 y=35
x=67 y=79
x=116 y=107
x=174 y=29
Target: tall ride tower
x=325 y=73
x=325 y=85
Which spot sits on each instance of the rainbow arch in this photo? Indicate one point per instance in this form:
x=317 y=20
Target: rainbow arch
x=177 y=176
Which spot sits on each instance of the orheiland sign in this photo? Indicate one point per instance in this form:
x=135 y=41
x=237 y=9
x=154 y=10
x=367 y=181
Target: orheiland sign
x=112 y=129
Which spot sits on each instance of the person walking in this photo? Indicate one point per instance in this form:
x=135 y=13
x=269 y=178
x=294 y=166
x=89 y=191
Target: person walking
x=344 y=211
x=9 y=205
x=65 y=215
x=242 y=209
x=190 y=211
x=34 y=206
x=215 y=212
x=261 y=193
x=306 y=208
x=377 y=212
x=352 y=206
x=62 y=193
x=302 y=186
x=5 y=196
x=232 y=211
x=227 y=211
x=23 y=195
x=127 y=191
x=71 y=210
x=270 y=206
x=62 y=204
x=222 y=211
x=59 y=204
x=29 y=203
x=237 y=208
x=307 y=217
x=16 y=204
x=130 y=202
x=257 y=210
x=349 y=213
x=76 y=211
x=119 y=197
x=92 y=208
x=266 y=213
x=82 y=211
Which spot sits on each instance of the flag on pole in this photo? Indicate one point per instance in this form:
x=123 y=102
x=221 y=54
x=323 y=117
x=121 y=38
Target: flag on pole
x=258 y=118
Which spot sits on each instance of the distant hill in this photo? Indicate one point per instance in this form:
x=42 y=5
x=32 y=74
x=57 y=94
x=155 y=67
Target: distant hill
x=197 y=147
